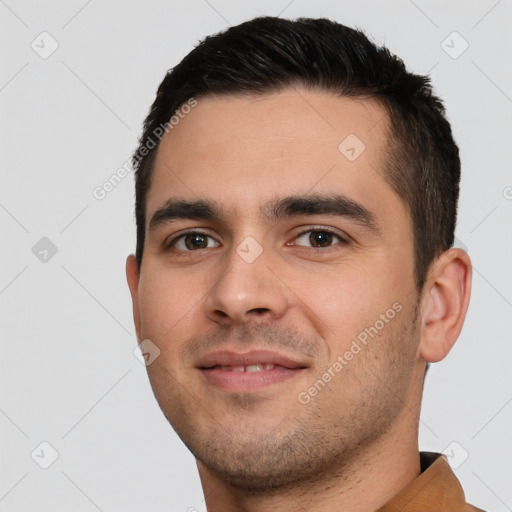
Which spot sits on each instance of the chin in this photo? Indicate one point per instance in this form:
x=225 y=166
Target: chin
x=261 y=462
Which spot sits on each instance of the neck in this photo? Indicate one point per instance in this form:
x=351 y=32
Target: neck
x=366 y=483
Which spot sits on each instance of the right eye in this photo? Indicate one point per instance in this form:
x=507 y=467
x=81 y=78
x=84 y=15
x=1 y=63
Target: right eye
x=193 y=241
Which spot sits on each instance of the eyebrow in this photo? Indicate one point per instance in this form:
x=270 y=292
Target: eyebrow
x=182 y=209
x=338 y=205
x=274 y=210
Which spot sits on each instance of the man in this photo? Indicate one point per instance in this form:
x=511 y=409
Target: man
x=296 y=194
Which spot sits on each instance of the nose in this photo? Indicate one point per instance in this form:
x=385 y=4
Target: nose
x=246 y=292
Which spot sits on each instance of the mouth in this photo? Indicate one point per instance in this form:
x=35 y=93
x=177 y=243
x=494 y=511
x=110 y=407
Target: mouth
x=250 y=368
x=248 y=371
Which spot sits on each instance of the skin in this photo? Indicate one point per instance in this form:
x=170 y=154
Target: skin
x=353 y=446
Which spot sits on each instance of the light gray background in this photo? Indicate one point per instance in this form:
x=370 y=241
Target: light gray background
x=68 y=375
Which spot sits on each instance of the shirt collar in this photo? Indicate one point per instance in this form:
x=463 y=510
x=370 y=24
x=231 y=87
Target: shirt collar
x=435 y=490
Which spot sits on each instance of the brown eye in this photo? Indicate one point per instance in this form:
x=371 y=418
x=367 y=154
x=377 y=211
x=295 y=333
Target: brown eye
x=193 y=242
x=196 y=242
x=318 y=238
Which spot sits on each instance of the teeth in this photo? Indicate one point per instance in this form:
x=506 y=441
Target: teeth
x=254 y=368
x=249 y=368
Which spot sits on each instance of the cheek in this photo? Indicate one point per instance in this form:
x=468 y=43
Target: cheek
x=344 y=301
x=168 y=304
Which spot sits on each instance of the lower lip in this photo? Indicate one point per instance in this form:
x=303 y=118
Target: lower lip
x=248 y=381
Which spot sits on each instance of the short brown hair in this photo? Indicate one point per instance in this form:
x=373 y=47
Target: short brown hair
x=269 y=54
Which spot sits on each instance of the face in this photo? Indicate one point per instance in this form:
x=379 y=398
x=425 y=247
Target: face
x=277 y=282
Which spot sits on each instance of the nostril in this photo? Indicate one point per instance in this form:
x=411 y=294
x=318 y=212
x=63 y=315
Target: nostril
x=259 y=310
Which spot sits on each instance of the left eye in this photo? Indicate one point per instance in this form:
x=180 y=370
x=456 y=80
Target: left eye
x=193 y=241
x=318 y=239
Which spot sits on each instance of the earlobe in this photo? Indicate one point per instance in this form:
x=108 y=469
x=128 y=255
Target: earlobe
x=444 y=304
x=132 y=276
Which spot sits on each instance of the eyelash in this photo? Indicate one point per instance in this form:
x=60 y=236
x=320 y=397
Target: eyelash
x=342 y=240
x=174 y=241
x=320 y=229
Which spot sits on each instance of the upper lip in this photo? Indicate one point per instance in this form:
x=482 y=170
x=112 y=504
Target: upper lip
x=233 y=358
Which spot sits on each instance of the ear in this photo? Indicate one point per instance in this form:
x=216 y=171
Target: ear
x=444 y=304
x=132 y=276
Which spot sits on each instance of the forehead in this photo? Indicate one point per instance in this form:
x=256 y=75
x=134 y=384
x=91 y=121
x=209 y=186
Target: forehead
x=240 y=150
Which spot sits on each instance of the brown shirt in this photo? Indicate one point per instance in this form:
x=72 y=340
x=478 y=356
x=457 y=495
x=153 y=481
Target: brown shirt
x=435 y=490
